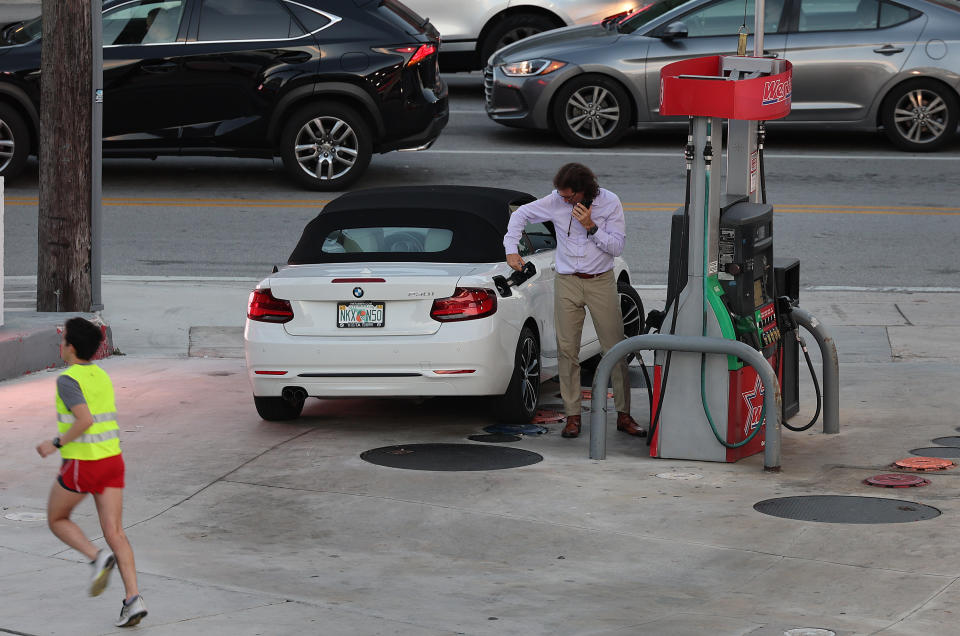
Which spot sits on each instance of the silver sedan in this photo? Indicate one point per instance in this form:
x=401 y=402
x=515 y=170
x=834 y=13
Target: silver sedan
x=859 y=64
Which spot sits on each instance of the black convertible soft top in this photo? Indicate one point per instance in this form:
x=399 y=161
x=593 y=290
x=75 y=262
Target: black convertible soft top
x=477 y=216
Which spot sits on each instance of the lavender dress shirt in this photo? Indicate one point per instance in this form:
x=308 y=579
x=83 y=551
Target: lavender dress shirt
x=576 y=251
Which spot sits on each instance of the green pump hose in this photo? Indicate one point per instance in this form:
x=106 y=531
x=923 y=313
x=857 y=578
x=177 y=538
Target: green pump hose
x=708 y=154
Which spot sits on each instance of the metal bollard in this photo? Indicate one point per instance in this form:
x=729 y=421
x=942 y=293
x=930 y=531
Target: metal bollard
x=831 y=368
x=693 y=344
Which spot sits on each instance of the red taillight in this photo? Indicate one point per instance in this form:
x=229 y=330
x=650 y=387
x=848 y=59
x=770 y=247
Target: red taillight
x=465 y=304
x=265 y=308
x=420 y=53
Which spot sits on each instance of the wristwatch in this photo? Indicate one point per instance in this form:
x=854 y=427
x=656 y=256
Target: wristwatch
x=56 y=442
x=593 y=230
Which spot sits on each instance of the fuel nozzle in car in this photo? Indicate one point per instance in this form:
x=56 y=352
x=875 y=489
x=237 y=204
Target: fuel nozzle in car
x=505 y=283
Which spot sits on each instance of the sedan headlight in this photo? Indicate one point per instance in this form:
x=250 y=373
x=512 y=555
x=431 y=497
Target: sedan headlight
x=527 y=68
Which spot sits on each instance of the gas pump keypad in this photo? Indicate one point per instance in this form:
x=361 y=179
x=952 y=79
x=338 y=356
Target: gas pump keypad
x=767 y=325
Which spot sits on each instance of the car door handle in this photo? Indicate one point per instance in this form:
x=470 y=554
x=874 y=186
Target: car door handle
x=162 y=67
x=889 y=49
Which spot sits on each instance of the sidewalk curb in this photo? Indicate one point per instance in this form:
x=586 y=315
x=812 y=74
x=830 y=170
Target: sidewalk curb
x=28 y=349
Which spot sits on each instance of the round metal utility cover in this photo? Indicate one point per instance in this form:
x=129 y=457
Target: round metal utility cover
x=809 y=631
x=953 y=440
x=495 y=438
x=937 y=451
x=924 y=464
x=678 y=476
x=896 y=480
x=846 y=509
x=26 y=516
x=545 y=416
x=515 y=429
x=450 y=457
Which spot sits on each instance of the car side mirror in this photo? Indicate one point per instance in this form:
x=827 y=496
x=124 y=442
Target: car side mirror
x=673 y=31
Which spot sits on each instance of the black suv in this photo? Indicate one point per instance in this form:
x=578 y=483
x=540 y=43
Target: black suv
x=321 y=83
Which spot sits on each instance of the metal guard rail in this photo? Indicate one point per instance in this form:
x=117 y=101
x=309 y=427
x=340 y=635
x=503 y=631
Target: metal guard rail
x=690 y=344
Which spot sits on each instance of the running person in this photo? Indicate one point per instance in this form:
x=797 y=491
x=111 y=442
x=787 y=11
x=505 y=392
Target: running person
x=89 y=444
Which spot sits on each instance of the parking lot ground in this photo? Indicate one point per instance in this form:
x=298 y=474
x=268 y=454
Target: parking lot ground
x=241 y=526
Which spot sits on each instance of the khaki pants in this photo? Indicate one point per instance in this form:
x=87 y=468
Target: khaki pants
x=571 y=295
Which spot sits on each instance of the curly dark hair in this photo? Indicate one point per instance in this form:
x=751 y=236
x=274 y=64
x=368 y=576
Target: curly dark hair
x=578 y=178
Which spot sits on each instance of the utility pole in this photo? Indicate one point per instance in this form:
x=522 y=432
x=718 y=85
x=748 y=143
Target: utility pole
x=67 y=179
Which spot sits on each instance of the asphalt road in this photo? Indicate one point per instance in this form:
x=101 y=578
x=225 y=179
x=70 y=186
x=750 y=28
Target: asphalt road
x=855 y=211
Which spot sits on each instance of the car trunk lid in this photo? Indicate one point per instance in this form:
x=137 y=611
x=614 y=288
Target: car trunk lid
x=382 y=299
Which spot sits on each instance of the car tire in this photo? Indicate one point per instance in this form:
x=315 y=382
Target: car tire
x=14 y=142
x=326 y=146
x=591 y=111
x=513 y=28
x=631 y=309
x=276 y=409
x=920 y=116
x=519 y=404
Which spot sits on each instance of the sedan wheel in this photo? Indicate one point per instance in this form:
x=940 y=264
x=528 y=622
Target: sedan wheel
x=591 y=112
x=14 y=142
x=326 y=147
x=512 y=29
x=631 y=308
x=920 y=116
x=519 y=404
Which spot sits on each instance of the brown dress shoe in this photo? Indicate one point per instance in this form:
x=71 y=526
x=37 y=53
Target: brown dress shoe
x=572 y=429
x=629 y=425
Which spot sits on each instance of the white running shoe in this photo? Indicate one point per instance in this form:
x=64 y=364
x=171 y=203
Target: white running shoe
x=102 y=567
x=133 y=613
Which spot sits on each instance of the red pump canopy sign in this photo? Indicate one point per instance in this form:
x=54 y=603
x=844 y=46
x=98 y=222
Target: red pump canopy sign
x=724 y=86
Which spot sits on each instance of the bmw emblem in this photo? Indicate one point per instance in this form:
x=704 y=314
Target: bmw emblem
x=358 y=292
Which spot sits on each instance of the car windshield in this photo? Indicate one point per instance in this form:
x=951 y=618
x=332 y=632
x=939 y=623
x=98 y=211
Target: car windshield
x=647 y=12
x=21 y=32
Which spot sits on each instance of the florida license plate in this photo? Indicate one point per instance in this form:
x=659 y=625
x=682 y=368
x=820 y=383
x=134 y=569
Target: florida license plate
x=359 y=315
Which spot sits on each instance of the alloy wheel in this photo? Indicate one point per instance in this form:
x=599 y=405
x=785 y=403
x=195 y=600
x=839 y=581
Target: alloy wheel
x=921 y=116
x=530 y=367
x=515 y=35
x=592 y=113
x=7 y=147
x=632 y=316
x=326 y=147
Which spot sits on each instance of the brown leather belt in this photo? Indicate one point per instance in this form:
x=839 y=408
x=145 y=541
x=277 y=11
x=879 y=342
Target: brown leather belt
x=581 y=275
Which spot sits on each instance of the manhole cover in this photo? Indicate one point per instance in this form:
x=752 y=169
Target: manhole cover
x=896 y=480
x=515 y=429
x=26 y=516
x=450 y=457
x=545 y=416
x=495 y=438
x=680 y=476
x=923 y=464
x=937 y=451
x=953 y=440
x=846 y=509
x=809 y=631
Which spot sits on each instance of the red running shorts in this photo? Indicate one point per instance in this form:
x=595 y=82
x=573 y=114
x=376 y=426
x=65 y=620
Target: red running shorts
x=92 y=475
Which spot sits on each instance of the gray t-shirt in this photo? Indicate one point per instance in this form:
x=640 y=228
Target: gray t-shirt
x=69 y=391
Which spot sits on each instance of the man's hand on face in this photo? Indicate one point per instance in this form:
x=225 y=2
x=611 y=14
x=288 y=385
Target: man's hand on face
x=514 y=261
x=582 y=214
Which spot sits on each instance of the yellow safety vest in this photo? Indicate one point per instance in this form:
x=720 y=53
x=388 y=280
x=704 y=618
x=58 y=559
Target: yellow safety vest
x=102 y=439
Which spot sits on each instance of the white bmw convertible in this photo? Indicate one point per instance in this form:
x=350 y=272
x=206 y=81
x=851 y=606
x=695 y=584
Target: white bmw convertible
x=406 y=292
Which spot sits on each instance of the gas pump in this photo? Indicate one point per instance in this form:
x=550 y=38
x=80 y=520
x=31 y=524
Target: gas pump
x=712 y=407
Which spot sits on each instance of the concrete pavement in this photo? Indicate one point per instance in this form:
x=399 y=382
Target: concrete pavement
x=247 y=527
